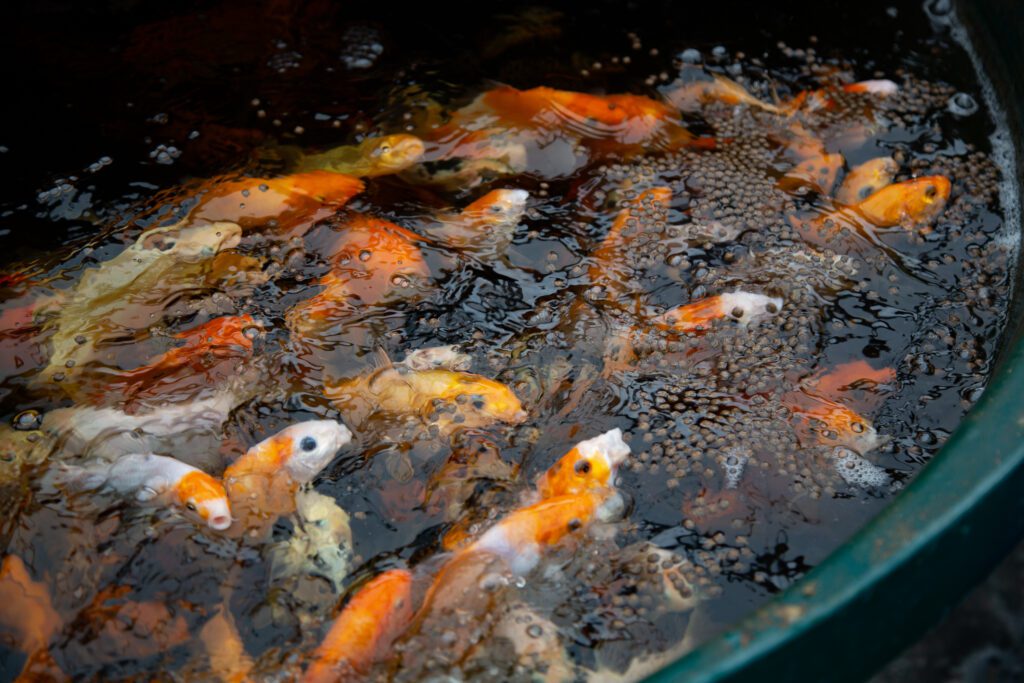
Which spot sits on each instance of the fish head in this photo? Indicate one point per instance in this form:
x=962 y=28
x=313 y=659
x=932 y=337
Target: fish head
x=846 y=427
x=396 y=153
x=498 y=207
x=309 y=446
x=489 y=398
x=591 y=464
x=745 y=307
x=204 y=499
x=925 y=198
x=377 y=261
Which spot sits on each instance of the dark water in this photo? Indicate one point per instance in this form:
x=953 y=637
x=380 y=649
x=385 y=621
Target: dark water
x=111 y=106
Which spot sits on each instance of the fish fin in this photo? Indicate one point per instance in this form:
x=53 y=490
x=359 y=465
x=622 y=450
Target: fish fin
x=146 y=494
x=78 y=478
x=381 y=358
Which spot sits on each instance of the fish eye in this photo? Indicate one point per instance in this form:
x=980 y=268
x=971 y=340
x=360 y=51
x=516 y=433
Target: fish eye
x=737 y=312
x=496 y=209
x=479 y=404
x=583 y=467
x=931 y=191
x=308 y=444
x=771 y=308
x=191 y=506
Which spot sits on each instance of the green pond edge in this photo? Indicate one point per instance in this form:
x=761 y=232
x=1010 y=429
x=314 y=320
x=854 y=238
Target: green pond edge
x=903 y=571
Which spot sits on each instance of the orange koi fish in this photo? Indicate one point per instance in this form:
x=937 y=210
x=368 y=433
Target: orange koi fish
x=622 y=120
x=866 y=179
x=398 y=389
x=262 y=482
x=373 y=261
x=229 y=661
x=28 y=612
x=910 y=203
x=294 y=202
x=918 y=201
x=743 y=307
x=823 y=420
x=818 y=172
x=367 y=626
x=156 y=479
x=220 y=338
x=591 y=464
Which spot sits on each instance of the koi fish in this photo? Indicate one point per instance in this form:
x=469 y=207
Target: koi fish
x=743 y=307
x=521 y=537
x=591 y=464
x=824 y=98
x=865 y=179
x=372 y=261
x=221 y=338
x=156 y=479
x=228 y=659
x=818 y=172
x=491 y=219
x=128 y=292
x=292 y=203
x=372 y=157
x=912 y=202
x=610 y=261
x=699 y=90
x=823 y=419
x=28 y=610
x=397 y=389
x=919 y=201
x=320 y=545
x=261 y=484
x=365 y=628
x=832 y=424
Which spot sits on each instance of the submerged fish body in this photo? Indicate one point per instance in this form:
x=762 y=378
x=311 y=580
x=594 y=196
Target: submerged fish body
x=320 y=545
x=125 y=295
x=156 y=479
x=362 y=632
x=263 y=481
x=399 y=390
x=699 y=88
x=375 y=156
x=487 y=221
x=373 y=262
x=865 y=179
x=289 y=205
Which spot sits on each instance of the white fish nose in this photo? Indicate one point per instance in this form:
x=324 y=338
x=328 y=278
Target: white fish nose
x=219 y=522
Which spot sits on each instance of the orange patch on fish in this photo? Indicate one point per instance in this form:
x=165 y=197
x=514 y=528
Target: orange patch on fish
x=591 y=464
x=28 y=612
x=293 y=202
x=374 y=617
x=865 y=179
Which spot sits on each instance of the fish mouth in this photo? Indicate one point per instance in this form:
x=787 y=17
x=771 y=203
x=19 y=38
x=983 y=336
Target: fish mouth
x=518 y=417
x=219 y=522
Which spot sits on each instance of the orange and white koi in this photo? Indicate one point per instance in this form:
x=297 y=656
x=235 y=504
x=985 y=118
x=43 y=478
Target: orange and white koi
x=372 y=261
x=491 y=219
x=367 y=626
x=262 y=482
x=865 y=179
x=398 y=389
x=743 y=307
x=373 y=157
x=590 y=464
x=521 y=537
x=157 y=479
x=292 y=203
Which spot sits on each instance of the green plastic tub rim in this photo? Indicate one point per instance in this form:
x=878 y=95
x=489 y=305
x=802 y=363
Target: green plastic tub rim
x=907 y=567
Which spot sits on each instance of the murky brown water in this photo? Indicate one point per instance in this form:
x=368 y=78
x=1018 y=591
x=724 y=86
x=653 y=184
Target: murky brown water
x=734 y=486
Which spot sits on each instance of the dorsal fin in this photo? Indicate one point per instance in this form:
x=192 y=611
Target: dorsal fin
x=381 y=358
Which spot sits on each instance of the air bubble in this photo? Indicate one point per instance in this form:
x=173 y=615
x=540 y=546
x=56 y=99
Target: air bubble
x=28 y=420
x=690 y=56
